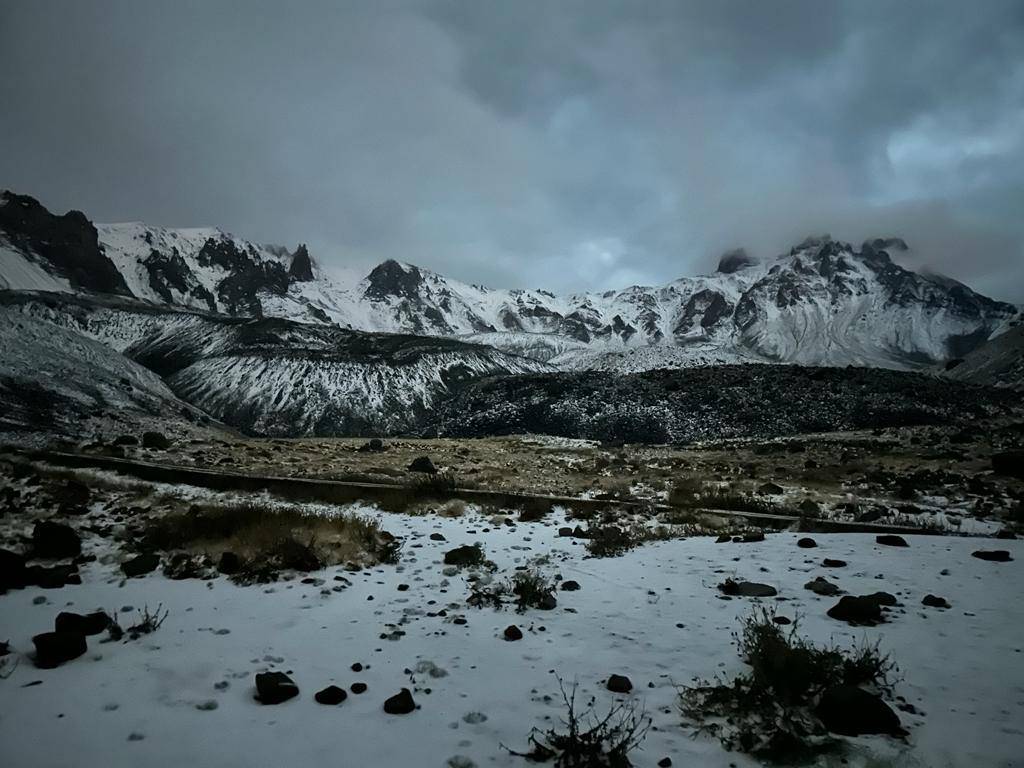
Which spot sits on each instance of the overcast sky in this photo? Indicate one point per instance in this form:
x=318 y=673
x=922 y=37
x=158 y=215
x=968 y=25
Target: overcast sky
x=565 y=144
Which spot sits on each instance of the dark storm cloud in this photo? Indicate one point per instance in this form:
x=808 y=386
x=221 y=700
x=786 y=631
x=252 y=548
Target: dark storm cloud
x=570 y=145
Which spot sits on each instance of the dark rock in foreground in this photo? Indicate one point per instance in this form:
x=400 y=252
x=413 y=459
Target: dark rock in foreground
x=55 y=648
x=401 y=703
x=851 y=711
x=275 y=687
x=55 y=541
x=331 y=695
x=993 y=555
x=619 y=684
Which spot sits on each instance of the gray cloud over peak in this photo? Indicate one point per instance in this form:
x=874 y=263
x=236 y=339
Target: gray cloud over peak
x=584 y=144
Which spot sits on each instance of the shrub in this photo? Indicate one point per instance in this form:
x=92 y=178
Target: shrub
x=587 y=741
x=769 y=710
x=530 y=589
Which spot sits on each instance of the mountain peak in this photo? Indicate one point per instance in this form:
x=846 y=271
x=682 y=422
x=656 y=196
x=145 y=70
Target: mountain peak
x=734 y=261
x=301 y=268
x=393 y=278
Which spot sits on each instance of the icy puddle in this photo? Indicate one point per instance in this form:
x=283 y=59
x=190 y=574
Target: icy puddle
x=184 y=695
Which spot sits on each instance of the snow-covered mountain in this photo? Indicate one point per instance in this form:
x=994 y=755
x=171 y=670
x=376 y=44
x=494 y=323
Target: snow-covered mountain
x=267 y=376
x=824 y=303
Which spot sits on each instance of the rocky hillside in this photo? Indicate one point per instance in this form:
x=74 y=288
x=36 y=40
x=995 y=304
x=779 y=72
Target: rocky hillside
x=266 y=375
x=711 y=403
x=999 y=363
x=824 y=302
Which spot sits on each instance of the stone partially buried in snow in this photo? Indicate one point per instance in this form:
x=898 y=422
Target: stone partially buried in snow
x=12 y=570
x=619 y=684
x=55 y=648
x=852 y=711
x=401 y=703
x=512 y=633
x=469 y=554
x=275 y=687
x=993 y=555
x=90 y=624
x=857 y=611
x=823 y=587
x=140 y=565
x=934 y=601
x=331 y=695
x=891 y=540
x=55 y=541
x=746 y=589
x=807 y=543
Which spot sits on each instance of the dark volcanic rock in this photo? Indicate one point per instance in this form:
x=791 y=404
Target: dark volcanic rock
x=76 y=623
x=993 y=555
x=857 y=611
x=468 y=554
x=54 y=648
x=570 y=585
x=619 y=684
x=55 y=541
x=55 y=577
x=229 y=563
x=422 y=464
x=331 y=695
x=140 y=565
x=681 y=406
x=891 y=540
x=275 y=687
x=1010 y=463
x=823 y=587
x=746 y=589
x=12 y=570
x=934 y=601
x=401 y=703
x=807 y=543
x=851 y=711
x=155 y=440
x=512 y=633
x=829 y=562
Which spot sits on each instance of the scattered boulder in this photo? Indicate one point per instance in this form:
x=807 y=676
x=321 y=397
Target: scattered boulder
x=771 y=489
x=883 y=598
x=55 y=541
x=229 y=563
x=852 y=711
x=469 y=554
x=724 y=538
x=512 y=633
x=751 y=538
x=1005 y=533
x=331 y=695
x=55 y=648
x=891 y=540
x=746 y=589
x=374 y=445
x=275 y=687
x=140 y=565
x=156 y=440
x=401 y=703
x=823 y=587
x=423 y=464
x=619 y=684
x=934 y=601
x=807 y=543
x=437 y=537
x=55 y=577
x=358 y=688
x=90 y=624
x=1009 y=463
x=993 y=555
x=570 y=586
x=12 y=570
x=72 y=494
x=857 y=611
x=828 y=562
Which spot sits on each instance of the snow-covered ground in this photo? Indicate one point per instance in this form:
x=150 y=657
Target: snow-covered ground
x=653 y=614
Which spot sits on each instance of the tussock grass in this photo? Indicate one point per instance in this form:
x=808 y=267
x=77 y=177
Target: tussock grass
x=768 y=710
x=262 y=534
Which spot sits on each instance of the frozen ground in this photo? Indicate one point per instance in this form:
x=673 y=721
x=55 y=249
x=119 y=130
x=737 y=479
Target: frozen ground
x=653 y=614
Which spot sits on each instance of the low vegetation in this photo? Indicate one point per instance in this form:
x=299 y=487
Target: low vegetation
x=588 y=741
x=267 y=538
x=526 y=589
x=769 y=710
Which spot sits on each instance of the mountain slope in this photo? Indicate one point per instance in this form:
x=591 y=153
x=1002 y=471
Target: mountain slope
x=824 y=303
x=274 y=376
x=57 y=381
x=998 y=363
